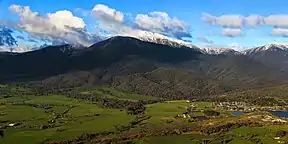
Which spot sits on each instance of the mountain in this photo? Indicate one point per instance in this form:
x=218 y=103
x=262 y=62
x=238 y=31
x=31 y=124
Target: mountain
x=161 y=39
x=268 y=47
x=216 y=51
x=6 y=49
x=59 y=59
x=273 y=55
x=179 y=43
x=8 y=43
x=133 y=65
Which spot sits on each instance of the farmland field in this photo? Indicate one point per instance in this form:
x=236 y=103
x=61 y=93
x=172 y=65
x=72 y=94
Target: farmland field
x=91 y=118
x=67 y=118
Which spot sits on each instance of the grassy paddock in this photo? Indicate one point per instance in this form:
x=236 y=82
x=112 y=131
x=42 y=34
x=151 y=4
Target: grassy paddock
x=72 y=118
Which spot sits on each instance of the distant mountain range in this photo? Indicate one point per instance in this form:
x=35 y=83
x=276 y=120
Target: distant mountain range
x=213 y=50
x=7 y=40
x=273 y=55
x=161 y=68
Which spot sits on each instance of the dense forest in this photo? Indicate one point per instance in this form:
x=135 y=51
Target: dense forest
x=135 y=66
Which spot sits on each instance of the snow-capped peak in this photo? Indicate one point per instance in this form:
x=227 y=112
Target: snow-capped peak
x=270 y=47
x=158 y=38
x=165 y=40
x=276 y=45
x=161 y=39
x=211 y=50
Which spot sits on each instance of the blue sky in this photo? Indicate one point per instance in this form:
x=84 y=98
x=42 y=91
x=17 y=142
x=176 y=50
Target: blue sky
x=220 y=29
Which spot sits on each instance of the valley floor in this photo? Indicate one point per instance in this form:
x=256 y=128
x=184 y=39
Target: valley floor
x=29 y=119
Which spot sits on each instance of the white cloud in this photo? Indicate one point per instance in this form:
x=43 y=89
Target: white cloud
x=107 y=14
x=63 y=27
x=161 y=22
x=238 y=21
x=231 y=32
x=64 y=19
x=277 y=21
x=254 y=20
x=146 y=22
x=204 y=39
x=231 y=21
x=110 y=20
x=280 y=32
x=31 y=21
x=208 y=18
x=236 y=46
x=231 y=24
x=234 y=21
x=157 y=24
x=59 y=26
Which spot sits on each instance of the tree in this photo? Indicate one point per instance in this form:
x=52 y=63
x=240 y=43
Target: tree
x=135 y=108
x=1 y=133
x=211 y=113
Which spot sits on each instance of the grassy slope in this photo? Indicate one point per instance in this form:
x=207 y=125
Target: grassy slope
x=242 y=135
x=115 y=94
x=266 y=134
x=79 y=117
x=162 y=112
x=77 y=120
x=183 y=139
